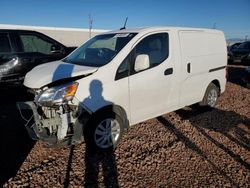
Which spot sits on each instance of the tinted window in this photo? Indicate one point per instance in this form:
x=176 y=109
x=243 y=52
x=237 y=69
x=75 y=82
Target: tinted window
x=155 y=46
x=4 y=43
x=33 y=43
x=123 y=69
x=244 y=45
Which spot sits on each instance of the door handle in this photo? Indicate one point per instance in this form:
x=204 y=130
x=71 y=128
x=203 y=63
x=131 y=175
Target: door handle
x=168 y=71
x=188 y=67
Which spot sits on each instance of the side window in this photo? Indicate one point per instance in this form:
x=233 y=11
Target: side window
x=33 y=43
x=155 y=46
x=123 y=69
x=4 y=43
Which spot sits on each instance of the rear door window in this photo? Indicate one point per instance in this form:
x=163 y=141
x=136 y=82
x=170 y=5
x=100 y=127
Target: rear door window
x=4 y=43
x=34 y=43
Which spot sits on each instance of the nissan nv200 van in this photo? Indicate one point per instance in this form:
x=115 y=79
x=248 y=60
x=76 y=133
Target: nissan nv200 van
x=120 y=78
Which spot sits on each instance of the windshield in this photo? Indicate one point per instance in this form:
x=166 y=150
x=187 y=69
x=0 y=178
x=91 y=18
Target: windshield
x=99 y=50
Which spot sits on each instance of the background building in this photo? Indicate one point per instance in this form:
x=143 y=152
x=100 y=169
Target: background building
x=67 y=36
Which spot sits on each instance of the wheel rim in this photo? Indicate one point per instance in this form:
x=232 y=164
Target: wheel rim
x=107 y=133
x=212 y=97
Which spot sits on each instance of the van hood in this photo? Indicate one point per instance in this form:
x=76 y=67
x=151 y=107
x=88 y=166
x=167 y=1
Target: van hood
x=50 y=72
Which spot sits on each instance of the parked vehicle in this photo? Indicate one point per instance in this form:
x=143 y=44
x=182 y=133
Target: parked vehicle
x=230 y=48
x=124 y=77
x=246 y=78
x=241 y=54
x=22 y=50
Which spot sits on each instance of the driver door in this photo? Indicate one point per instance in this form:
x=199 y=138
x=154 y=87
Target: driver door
x=150 y=89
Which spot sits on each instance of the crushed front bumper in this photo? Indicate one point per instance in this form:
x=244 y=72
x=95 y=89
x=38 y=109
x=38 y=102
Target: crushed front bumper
x=59 y=125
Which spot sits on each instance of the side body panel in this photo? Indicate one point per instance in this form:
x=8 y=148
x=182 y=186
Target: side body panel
x=202 y=53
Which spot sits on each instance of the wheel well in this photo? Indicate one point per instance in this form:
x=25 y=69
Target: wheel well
x=217 y=83
x=118 y=110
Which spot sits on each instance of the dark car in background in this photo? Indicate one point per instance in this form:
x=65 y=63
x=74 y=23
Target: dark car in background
x=22 y=50
x=246 y=78
x=240 y=54
x=230 y=48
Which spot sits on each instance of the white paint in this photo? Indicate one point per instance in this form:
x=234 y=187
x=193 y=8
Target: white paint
x=46 y=73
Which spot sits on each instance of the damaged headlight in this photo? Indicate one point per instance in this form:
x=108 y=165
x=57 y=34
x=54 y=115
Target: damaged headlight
x=57 y=95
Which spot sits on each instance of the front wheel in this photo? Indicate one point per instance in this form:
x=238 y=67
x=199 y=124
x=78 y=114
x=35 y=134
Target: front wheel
x=211 y=96
x=104 y=131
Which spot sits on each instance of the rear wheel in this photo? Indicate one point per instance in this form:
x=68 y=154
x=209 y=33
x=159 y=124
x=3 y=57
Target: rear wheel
x=211 y=96
x=104 y=131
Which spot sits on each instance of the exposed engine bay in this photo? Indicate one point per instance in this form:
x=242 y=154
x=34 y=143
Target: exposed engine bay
x=55 y=121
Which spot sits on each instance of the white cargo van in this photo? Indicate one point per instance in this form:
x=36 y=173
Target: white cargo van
x=124 y=77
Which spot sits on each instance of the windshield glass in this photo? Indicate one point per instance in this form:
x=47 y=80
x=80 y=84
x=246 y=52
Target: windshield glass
x=99 y=50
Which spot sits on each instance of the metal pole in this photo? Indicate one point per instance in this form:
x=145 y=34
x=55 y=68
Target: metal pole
x=90 y=25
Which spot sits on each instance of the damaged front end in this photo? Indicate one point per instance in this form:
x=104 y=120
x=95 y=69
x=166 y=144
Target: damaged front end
x=58 y=117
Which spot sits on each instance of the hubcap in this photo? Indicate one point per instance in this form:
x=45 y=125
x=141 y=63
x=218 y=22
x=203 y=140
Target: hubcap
x=212 y=97
x=107 y=132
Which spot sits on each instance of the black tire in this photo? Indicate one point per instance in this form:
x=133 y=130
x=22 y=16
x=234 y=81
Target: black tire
x=96 y=125
x=211 y=95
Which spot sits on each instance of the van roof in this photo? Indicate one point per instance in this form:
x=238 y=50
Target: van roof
x=153 y=29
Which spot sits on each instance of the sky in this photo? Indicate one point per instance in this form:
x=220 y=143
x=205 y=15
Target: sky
x=230 y=16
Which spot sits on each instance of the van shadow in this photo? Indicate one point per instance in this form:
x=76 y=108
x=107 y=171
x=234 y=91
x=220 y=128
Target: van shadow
x=195 y=148
x=233 y=126
x=15 y=144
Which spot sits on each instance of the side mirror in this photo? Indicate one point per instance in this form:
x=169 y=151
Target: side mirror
x=142 y=62
x=55 y=49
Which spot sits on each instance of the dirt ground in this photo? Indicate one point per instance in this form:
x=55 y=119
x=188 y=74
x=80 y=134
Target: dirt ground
x=185 y=148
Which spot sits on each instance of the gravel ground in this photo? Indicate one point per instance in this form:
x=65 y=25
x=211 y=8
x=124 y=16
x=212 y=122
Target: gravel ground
x=185 y=148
